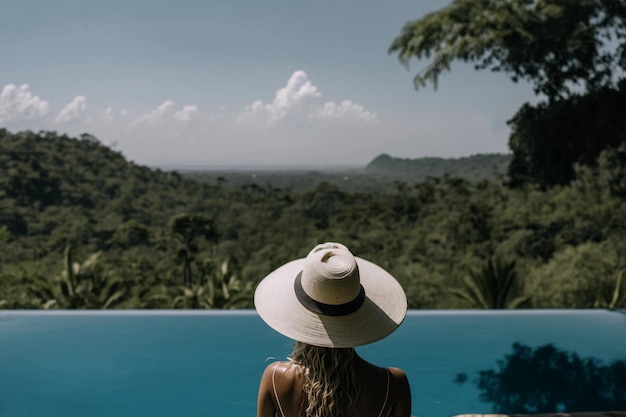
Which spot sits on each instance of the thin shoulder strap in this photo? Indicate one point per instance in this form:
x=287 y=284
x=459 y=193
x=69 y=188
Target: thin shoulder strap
x=280 y=408
x=386 y=396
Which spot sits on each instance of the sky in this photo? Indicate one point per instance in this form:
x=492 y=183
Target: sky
x=236 y=83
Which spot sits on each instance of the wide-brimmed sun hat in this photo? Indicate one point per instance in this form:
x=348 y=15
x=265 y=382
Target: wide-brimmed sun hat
x=331 y=298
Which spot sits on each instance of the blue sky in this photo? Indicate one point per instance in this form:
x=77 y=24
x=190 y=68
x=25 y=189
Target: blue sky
x=241 y=83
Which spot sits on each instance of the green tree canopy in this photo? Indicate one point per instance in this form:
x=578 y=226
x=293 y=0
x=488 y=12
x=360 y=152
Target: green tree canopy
x=186 y=229
x=549 y=139
x=573 y=52
x=560 y=46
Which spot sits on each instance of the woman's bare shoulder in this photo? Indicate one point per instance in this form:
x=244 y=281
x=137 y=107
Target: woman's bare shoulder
x=397 y=372
x=279 y=366
x=370 y=368
x=281 y=371
x=398 y=377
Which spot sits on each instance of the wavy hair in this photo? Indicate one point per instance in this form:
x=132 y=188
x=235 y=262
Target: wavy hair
x=330 y=384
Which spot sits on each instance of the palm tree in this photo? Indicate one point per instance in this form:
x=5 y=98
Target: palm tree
x=186 y=229
x=619 y=294
x=4 y=235
x=223 y=290
x=227 y=291
x=492 y=286
x=44 y=293
x=192 y=298
x=618 y=298
x=80 y=285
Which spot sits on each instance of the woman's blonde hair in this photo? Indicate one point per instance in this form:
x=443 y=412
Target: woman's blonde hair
x=330 y=384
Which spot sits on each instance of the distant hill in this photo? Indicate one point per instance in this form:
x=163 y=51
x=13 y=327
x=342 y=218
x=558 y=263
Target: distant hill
x=472 y=168
x=56 y=189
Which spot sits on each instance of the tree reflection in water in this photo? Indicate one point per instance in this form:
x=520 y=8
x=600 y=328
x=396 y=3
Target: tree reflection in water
x=546 y=379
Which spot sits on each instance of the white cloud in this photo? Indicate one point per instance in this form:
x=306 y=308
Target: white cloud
x=159 y=113
x=74 y=111
x=19 y=104
x=347 y=110
x=290 y=101
x=108 y=114
x=165 y=112
x=295 y=104
x=169 y=132
x=186 y=113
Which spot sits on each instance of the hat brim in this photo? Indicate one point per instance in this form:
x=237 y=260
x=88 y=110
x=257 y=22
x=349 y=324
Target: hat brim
x=382 y=312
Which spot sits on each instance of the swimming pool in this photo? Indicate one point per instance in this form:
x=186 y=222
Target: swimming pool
x=192 y=363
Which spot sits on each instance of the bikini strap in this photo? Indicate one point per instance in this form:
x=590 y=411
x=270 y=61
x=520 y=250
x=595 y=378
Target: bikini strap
x=280 y=408
x=386 y=395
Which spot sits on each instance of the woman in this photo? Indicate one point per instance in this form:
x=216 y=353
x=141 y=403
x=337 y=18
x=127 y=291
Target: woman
x=330 y=302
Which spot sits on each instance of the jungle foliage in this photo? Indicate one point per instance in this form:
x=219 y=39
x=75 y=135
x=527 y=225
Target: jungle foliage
x=82 y=227
x=572 y=52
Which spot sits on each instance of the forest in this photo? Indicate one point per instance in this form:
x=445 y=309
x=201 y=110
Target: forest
x=543 y=227
x=81 y=227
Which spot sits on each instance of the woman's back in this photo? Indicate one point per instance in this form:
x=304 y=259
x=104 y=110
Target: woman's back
x=329 y=303
x=382 y=392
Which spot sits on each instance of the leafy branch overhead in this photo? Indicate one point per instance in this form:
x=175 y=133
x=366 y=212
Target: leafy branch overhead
x=560 y=46
x=572 y=52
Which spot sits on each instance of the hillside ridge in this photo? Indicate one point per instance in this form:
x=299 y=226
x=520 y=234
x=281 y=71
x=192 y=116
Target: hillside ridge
x=473 y=167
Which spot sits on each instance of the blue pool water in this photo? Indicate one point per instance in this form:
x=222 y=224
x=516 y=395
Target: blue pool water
x=152 y=364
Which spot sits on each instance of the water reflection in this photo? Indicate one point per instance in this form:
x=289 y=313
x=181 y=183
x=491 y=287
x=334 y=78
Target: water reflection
x=547 y=379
